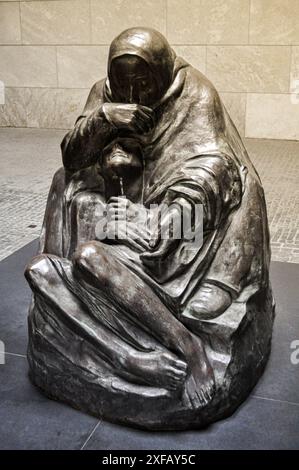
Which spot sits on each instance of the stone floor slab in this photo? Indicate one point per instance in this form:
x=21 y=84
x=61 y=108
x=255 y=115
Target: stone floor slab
x=29 y=420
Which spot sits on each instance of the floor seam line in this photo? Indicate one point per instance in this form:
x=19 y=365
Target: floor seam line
x=15 y=354
x=91 y=434
x=275 y=399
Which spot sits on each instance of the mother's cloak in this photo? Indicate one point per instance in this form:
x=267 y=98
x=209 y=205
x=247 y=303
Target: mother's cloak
x=194 y=153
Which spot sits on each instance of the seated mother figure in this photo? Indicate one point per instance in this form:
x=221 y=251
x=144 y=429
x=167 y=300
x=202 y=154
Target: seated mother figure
x=143 y=304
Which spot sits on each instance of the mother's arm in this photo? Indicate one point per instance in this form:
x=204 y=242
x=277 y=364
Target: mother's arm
x=83 y=144
x=98 y=125
x=198 y=205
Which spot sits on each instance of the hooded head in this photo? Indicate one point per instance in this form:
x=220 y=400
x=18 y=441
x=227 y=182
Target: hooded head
x=140 y=66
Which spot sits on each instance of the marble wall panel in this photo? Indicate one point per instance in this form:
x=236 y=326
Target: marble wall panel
x=42 y=107
x=28 y=66
x=274 y=22
x=272 y=116
x=10 y=28
x=208 y=21
x=249 y=68
x=294 y=76
x=109 y=18
x=81 y=66
x=55 y=22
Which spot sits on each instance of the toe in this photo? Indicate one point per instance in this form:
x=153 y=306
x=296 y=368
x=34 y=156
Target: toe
x=211 y=390
x=186 y=399
x=201 y=398
x=181 y=374
x=196 y=399
x=206 y=395
x=181 y=365
x=177 y=376
x=172 y=371
x=177 y=363
x=172 y=386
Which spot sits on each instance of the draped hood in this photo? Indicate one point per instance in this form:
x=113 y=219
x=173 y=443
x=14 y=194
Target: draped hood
x=194 y=153
x=190 y=118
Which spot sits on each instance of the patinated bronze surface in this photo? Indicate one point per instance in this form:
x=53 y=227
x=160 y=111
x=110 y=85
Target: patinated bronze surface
x=126 y=324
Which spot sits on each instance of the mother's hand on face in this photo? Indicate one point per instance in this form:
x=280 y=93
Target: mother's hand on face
x=133 y=117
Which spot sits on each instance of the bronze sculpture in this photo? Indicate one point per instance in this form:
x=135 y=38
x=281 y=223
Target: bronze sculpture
x=143 y=329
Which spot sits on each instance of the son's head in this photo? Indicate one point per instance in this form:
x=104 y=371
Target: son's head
x=122 y=163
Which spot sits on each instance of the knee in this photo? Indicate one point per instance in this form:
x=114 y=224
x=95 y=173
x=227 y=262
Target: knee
x=91 y=257
x=38 y=268
x=85 y=255
x=87 y=206
x=80 y=202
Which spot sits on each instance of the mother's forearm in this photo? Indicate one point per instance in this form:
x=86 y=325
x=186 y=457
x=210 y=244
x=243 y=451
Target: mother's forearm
x=82 y=145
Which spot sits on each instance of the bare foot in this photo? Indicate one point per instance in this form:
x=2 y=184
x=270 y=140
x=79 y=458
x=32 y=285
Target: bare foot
x=157 y=368
x=200 y=383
